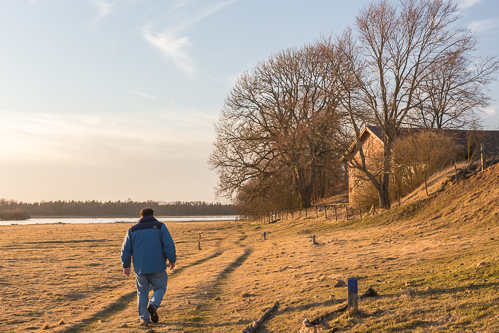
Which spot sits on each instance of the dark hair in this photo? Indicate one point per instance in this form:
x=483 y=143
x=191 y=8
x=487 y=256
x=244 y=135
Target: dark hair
x=147 y=212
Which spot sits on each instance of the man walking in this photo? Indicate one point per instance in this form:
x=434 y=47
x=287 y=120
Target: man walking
x=149 y=244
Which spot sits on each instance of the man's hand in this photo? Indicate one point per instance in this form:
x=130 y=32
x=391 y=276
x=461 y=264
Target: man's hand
x=171 y=265
x=126 y=271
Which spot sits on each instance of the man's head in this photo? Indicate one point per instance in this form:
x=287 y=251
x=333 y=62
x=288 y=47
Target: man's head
x=146 y=212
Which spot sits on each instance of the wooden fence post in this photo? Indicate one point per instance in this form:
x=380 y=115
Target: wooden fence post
x=353 y=296
x=313 y=239
x=360 y=211
x=455 y=170
x=336 y=212
x=482 y=156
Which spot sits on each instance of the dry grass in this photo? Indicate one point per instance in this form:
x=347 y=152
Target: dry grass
x=72 y=272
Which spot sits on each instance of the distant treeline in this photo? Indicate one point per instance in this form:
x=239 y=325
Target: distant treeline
x=118 y=208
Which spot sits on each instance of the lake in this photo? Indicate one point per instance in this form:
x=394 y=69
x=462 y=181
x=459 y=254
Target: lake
x=50 y=220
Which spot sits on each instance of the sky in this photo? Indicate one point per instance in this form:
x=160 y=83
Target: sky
x=111 y=100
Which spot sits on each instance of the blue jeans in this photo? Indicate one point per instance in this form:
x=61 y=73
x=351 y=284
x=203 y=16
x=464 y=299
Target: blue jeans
x=158 y=282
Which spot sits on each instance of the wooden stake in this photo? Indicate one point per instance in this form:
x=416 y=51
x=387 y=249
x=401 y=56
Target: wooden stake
x=353 y=296
x=455 y=170
x=360 y=211
x=426 y=187
x=336 y=212
x=199 y=245
x=482 y=156
x=313 y=239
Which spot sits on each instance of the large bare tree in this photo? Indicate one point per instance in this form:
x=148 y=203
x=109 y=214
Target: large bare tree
x=454 y=93
x=280 y=116
x=394 y=50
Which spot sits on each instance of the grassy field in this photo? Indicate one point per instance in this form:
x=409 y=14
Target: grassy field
x=434 y=262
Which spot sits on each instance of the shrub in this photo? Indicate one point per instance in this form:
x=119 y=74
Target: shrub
x=415 y=158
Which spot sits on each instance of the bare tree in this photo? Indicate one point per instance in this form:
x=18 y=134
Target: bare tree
x=395 y=50
x=453 y=93
x=278 y=116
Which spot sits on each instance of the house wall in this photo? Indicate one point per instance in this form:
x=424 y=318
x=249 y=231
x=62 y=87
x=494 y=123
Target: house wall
x=373 y=148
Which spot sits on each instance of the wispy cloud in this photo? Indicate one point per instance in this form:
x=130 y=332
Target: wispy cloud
x=172 y=46
x=465 y=4
x=484 y=25
x=173 y=42
x=212 y=10
x=144 y=95
x=490 y=111
x=96 y=139
x=105 y=8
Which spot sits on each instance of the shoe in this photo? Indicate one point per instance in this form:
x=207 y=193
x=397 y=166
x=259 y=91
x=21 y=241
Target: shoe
x=154 y=314
x=144 y=323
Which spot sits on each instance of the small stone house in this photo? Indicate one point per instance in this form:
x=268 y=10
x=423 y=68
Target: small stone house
x=371 y=139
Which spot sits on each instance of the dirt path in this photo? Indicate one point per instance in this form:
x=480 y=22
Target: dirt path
x=189 y=303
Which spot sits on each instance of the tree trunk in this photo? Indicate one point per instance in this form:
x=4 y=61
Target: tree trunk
x=384 y=190
x=384 y=200
x=305 y=189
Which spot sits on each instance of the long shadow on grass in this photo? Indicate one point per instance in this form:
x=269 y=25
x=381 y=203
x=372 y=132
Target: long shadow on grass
x=122 y=303
x=198 y=320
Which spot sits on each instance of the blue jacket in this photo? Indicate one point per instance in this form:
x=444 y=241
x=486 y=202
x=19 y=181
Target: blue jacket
x=149 y=243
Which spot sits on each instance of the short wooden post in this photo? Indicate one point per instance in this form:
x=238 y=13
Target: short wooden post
x=426 y=187
x=455 y=170
x=360 y=211
x=346 y=209
x=482 y=156
x=336 y=212
x=353 y=296
x=199 y=245
x=313 y=239
x=199 y=236
x=265 y=235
